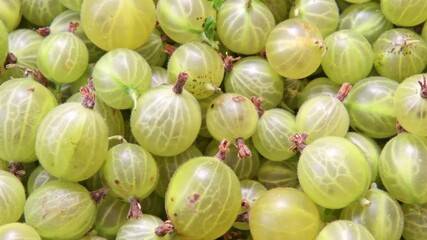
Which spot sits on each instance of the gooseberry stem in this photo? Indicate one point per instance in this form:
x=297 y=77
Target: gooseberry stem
x=243 y=150
x=223 y=149
x=343 y=92
x=88 y=94
x=180 y=82
x=118 y=137
x=99 y=194
x=423 y=85
x=298 y=139
x=169 y=49
x=135 y=211
x=58 y=92
x=164 y=229
x=38 y=76
x=257 y=102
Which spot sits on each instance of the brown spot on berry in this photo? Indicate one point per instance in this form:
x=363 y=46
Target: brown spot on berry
x=192 y=201
x=116 y=181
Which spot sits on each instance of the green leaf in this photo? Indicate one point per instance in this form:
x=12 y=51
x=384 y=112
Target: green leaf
x=209 y=31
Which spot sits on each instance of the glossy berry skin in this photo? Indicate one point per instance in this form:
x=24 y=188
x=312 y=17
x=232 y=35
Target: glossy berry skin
x=16 y=231
x=399 y=53
x=231 y=116
x=402 y=166
x=71 y=135
x=330 y=158
x=10 y=14
x=203 y=65
x=4 y=42
x=24 y=104
x=41 y=12
x=120 y=77
x=410 y=105
x=12 y=198
x=243 y=26
x=130 y=172
x=183 y=21
x=345 y=230
x=164 y=122
x=60 y=210
x=62 y=57
x=294 y=48
x=284 y=213
x=112 y=24
x=208 y=204
x=370 y=105
x=380 y=213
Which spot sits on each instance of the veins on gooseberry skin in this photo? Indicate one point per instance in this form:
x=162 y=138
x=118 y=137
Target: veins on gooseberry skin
x=166 y=228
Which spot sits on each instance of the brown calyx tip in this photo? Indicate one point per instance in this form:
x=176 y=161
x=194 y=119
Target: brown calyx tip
x=169 y=49
x=164 y=229
x=43 y=31
x=245 y=204
x=180 y=82
x=88 y=94
x=99 y=194
x=249 y=4
x=298 y=139
x=257 y=102
x=243 y=150
x=223 y=149
x=400 y=128
x=423 y=85
x=229 y=62
x=244 y=217
x=72 y=27
x=10 y=59
x=230 y=235
x=343 y=92
x=17 y=169
x=135 y=211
